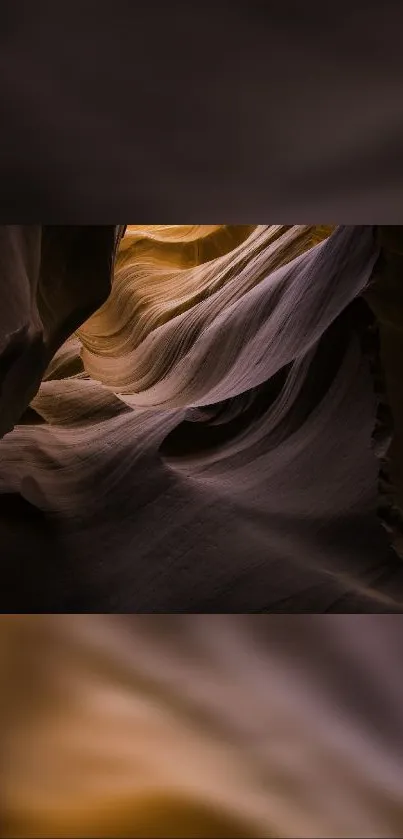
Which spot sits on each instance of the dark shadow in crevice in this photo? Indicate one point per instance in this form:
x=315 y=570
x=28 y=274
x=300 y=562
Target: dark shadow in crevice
x=209 y=429
x=32 y=559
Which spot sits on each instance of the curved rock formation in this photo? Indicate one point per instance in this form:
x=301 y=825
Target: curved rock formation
x=200 y=441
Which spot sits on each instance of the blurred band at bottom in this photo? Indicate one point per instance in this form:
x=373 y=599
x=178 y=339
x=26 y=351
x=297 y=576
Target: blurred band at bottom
x=201 y=726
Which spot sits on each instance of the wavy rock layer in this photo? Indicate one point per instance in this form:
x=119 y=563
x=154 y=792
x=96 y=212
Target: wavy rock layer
x=203 y=441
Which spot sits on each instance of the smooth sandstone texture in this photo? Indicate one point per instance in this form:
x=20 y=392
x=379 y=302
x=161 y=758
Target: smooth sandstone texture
x=201 y=441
